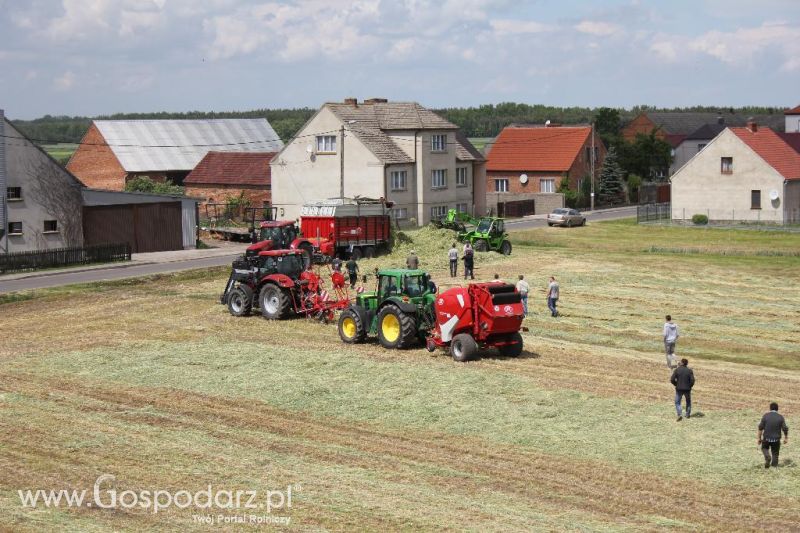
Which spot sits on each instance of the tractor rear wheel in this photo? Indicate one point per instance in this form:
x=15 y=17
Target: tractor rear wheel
x=396 y=329
x=481 y=245
x=512 y=350
x=505 y=248
x=274 y=302
x=240 y=301
x=463 y=347
x=351 y=329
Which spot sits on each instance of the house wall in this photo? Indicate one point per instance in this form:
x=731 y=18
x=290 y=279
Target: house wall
x=792 y=123
x=643 y=125
x=48 y=193
x=792 y=202
x=427 y=162
x=684 y=152
x=701 y=188
x=95 y=164
x=299 y=177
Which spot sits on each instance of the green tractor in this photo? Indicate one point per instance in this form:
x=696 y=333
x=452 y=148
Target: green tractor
x=489 y=232
x=399 y=312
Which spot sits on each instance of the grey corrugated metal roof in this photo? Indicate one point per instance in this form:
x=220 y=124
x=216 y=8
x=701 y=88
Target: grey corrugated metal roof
x=164 y=145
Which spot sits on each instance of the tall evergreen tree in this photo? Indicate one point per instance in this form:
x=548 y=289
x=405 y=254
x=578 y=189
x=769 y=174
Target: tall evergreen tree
x=611 y=179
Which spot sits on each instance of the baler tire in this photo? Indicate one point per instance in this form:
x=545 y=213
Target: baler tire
x=463 y=347
x=360 y=331
x=406 y=324
x=240 y=301
x=281 y=297
x=512 y=350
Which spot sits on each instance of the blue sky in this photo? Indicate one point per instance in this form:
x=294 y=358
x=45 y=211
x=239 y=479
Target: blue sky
x=90 y=57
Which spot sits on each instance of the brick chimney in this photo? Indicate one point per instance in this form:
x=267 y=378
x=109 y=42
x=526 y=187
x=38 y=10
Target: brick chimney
x=351 y=101
x=751 y=125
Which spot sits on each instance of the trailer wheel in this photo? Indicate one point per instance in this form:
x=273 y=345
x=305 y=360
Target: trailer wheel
x=274 y=302
x=481 y=245
x=369 y=252
x=463 y=347
x=396 y=329
x=512 y=350
x=240 y=301
x=356 y=254
x=505 y=248
x=351 y=329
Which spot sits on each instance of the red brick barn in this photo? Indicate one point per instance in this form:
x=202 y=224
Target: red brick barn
x=222 y=176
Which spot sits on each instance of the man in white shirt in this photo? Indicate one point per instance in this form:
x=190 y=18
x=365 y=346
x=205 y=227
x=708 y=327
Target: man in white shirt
x=453 y=256
x=522 y=289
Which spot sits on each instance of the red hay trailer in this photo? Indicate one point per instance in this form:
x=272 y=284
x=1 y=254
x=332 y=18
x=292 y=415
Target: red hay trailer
x=345 y=227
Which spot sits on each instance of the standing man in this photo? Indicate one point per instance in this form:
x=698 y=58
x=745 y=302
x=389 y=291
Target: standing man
x=770 y=429
x=412 y=261
x=683 y=380
x=552 y=296
x=522 y=289
x=336 y=264
x=670 y=338
x=469 y=261
x=453 y=256
x=352 y=271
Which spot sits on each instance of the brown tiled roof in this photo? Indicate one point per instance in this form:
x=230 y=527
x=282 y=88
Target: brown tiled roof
x=792 y=111
x=232 y=168
x=772 y=149
x=527 y=149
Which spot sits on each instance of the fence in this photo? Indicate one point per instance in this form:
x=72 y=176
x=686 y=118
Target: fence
x=653 y=212
x=58 y=257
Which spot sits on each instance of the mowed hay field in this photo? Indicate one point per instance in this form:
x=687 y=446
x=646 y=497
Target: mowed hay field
x=152 y=381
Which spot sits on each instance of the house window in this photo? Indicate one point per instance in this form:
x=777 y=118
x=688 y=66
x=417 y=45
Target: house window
x=398 y=180
x=701 y=146
x=400 y=213
x=439 y=179
x=462 y=208
x=755 y=199
x=461 y=176
x=326 y=144
x=14 y=193
x=726 y=165
x=547 y=185
x=501 y=185
x=438 y=143
x=438 y=211
x=15 y=228
x=51 y=226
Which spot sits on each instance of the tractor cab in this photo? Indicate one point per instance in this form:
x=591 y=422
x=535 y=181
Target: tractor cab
x=281 y=233
x=286 y=262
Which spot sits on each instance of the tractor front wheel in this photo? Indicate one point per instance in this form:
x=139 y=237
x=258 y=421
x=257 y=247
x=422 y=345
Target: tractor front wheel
x=274 y=302
x=481 y=245
x=505 y=248
x=240 y=301
x=351 y=329
x=512 y=350
x=463 y=347
x=396 y=329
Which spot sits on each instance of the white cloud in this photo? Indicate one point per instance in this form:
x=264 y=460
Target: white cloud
x=665 y=50
x=513 y=26
x=598 y=28
x=740 y=47
x=65 y=82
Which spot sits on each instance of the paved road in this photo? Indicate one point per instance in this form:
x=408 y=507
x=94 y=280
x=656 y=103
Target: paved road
x=118 y=272
x=611 y=214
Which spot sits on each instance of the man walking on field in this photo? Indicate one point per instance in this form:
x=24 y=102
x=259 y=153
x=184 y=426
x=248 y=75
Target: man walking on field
x=769 y=435
x=552 y=296
x=670 y=338
x=683 y=380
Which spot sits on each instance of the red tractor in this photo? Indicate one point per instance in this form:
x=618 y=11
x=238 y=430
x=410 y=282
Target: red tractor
x=279 y=284
x=481 y=315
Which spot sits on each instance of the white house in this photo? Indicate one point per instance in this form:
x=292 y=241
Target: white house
x=792 y=119
x=744 y=174
x=399 y=151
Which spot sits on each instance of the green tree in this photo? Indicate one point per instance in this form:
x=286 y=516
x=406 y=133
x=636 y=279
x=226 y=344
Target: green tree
x=145 y=184
x=611 y=179
x=648 y=156
x=570 y=196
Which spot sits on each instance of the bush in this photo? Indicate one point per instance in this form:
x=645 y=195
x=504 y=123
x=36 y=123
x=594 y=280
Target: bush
x=699 y=220
x=570 y=196
x=145 y=184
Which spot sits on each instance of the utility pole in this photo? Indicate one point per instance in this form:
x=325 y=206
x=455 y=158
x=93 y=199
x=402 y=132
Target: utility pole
x=3 y=187
x=341 y=164
x=591 y=166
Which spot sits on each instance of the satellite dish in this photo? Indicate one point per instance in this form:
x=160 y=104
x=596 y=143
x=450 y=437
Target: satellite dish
x=773 y=194
x=309 y=149
x=547 y=122
x=523 y=178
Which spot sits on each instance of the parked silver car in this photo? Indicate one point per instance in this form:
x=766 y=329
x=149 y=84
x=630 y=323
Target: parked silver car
x=566 y=217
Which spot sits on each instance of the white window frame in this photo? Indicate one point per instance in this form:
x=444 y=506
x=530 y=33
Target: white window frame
x=438 y=211
x=15 y=199
x=439 y=173
x=326 y=144
x=501 y=185
x=400 y=213
x=12 y=233
x=44 y=227
x=551 y=185
x=461 y=176
x=462 y=208
x=439 y=143
x=722 y=166
x=398 y=180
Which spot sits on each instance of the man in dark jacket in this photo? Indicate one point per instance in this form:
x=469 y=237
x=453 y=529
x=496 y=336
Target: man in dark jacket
x=683 y=380
x=769 y=434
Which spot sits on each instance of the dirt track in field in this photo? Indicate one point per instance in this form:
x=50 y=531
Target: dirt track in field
x=468 y=467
